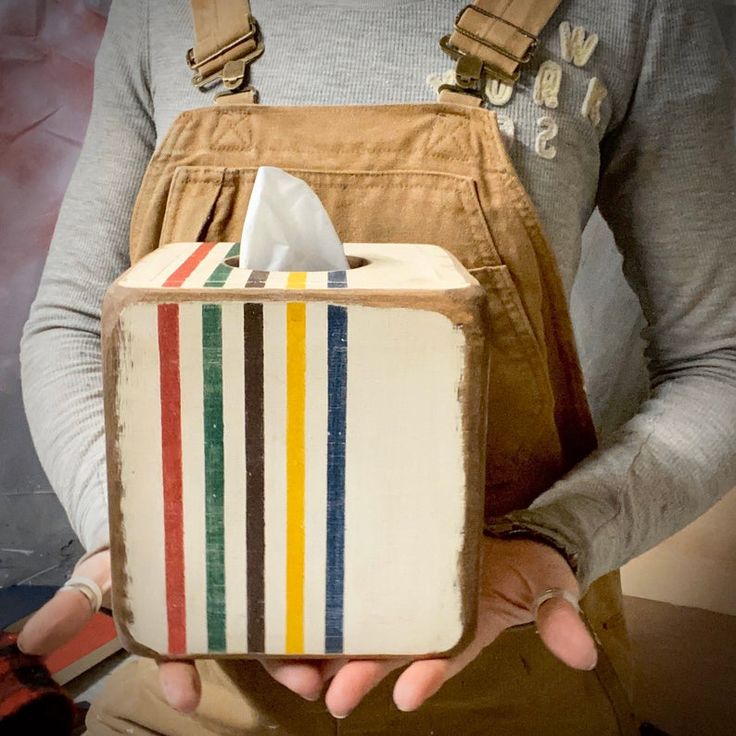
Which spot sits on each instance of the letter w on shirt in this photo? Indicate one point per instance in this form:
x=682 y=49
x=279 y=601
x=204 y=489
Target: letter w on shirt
x=575 y=45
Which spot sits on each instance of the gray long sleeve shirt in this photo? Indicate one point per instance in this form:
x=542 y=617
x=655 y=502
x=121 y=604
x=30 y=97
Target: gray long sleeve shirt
x=643 y=128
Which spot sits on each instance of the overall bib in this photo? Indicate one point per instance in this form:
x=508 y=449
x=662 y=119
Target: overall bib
x=418 y=173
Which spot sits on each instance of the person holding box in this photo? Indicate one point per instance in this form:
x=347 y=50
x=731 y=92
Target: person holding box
x=630 y=108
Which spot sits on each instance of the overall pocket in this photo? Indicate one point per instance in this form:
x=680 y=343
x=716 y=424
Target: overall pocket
x=209 y=203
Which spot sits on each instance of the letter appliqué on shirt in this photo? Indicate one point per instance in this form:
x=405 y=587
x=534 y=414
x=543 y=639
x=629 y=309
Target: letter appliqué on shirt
x=575 y=45
x=498 y=93
x=547 y=84
x=435 y=80
x=594 y=98
x=548 y=130
x=507 y=127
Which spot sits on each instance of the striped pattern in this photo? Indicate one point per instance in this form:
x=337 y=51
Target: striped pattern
x=403 y=266
x=187 y=268
x=213 y=432
x=275 y=538
x=206 y=267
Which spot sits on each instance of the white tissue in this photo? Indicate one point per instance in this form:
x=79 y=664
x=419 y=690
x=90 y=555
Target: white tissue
x=287 y=228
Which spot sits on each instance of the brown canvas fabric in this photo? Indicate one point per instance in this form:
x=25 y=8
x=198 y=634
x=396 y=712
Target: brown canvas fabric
x=422 y=173
x=225 y=31
x=501 y=33
x=515 y=688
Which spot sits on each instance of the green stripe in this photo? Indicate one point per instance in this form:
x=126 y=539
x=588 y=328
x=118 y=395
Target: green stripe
x=214 y=477
x=219 y=276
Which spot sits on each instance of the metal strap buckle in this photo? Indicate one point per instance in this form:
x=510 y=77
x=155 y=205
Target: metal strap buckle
x=468 y=77
x=486 y=68
x=232 y=76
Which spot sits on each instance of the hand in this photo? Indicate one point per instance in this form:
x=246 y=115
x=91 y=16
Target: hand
x=514 y=574
x=59 y=620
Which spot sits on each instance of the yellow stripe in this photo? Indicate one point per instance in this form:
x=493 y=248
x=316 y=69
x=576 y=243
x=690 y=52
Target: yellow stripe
x=296 y=366
x=297 y=280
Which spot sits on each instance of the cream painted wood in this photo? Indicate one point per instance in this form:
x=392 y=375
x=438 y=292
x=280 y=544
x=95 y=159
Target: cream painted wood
x=412 y=569
x=275 y=479
x=399 y=266
x=315 y=577
x=145 y=567
x=236 y=539
x=192 y=462
x=370 y=529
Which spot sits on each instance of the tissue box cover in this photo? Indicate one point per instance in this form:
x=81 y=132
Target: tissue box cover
x=296 y=460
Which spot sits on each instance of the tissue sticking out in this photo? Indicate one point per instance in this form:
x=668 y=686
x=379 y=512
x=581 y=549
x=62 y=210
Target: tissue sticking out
x=287 y=228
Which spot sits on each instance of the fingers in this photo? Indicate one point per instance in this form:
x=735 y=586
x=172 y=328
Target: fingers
x=182 y=687
x=59 y=620
x=424 y=678
x=330 y=667
x=56 y=623
x=565 y=635
x=180 y=684
x=97 y=567
x=420 y=681
x=354 y=681
x=305 y=678
x=560 y=628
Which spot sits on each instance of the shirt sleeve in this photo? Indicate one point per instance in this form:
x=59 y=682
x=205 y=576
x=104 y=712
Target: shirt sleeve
x=668 y=192
x=60 y=349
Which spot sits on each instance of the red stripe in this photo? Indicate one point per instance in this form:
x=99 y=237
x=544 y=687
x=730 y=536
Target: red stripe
x=185 y=270
x=168 y=345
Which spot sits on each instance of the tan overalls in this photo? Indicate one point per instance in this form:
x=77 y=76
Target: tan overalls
x=419 y=173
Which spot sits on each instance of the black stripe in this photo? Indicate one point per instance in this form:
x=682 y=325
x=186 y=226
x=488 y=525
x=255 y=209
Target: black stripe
x=254 y=463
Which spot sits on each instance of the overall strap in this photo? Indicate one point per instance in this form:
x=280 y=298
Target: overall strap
x=228 y=40
x=492 y=39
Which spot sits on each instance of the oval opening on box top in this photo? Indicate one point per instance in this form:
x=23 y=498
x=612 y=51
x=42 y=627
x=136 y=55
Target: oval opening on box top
x=353 y=262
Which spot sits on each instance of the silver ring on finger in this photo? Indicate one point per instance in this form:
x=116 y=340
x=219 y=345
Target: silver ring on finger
x=88 y=588
x=551 y=593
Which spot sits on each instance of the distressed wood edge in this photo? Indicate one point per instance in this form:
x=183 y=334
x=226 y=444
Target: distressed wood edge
x=465 y=307
x=110 y=341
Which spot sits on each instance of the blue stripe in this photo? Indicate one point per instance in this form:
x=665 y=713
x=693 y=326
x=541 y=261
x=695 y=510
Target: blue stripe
x=337 y=279
x=337 y=364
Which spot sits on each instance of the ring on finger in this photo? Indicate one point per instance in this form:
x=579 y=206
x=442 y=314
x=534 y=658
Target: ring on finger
x=551 y=593
x=88 y=588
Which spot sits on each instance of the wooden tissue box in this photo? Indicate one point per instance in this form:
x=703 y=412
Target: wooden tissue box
x=296 y=460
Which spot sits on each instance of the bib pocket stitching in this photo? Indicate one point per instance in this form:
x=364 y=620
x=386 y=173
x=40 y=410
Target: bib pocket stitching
x=477 y=249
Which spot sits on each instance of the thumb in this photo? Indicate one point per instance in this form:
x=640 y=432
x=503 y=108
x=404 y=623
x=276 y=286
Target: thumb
x=565 y=634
